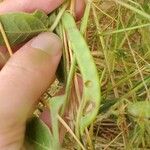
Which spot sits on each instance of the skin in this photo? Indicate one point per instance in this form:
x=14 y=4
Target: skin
x=27 y=74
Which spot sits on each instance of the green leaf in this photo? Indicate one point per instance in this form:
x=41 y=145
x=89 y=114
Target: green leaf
x=106 y=105
x=61 y=71
x=42 y=17
x=20 y=27
x=38 y=135
x=140 y=109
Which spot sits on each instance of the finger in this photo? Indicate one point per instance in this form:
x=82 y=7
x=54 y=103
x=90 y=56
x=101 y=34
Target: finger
x=29 y=5
x=4 y=54
x=30 y=71
x=79 y=8
x=25 y=77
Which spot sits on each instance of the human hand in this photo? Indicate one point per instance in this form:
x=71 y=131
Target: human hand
x=26 y=75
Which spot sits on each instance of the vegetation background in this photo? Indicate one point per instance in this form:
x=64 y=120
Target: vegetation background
x=118 y=36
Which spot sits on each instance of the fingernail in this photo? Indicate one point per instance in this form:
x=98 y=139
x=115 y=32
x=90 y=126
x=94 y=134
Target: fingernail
x=47 y=42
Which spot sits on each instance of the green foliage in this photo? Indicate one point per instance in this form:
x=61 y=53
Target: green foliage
x=38 y=135
x=106 y=105
x=140 y=109
x=20 y=27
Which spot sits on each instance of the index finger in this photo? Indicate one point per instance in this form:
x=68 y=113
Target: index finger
x=29 y=5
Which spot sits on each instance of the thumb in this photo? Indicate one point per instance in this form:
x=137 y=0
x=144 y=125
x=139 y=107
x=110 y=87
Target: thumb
x=23 y=80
